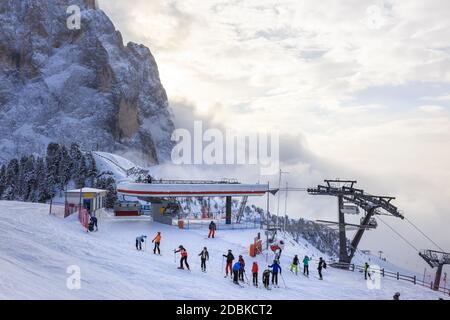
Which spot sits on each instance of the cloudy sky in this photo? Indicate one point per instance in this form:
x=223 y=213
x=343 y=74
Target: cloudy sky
x=358 y=89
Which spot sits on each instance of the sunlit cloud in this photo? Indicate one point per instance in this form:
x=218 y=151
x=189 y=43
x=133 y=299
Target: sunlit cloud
x=363 y=83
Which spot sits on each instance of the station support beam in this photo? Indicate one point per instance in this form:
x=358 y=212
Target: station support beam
x=228 y=210
x=437 y=278
x=343 y=255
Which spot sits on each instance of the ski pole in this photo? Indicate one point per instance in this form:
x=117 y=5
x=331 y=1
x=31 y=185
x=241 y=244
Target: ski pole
x=174 y=256
x=222 y=263
x=245 y=274
x=282 y=278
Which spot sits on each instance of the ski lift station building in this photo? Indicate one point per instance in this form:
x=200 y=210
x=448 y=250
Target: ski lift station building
x=153 y=192
x=92 y=199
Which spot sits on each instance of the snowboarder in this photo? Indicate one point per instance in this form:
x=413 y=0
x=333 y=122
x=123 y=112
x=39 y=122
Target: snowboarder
x=212 y=229
x=139 y=241
x=157 y=241
x=204 y=255
x=396 y=296
x=242 y=269
x=255 y=273
x=366 y=271
x=236 y=268
x=94 y=222
x=275 y=269
x=230 y=259
x=266 y=278
x=306 y=260
x=294 y=265
x=322 y=264
x=184 y=255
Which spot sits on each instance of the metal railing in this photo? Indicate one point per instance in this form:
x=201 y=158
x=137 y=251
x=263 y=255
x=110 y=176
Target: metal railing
x=178 y=181
x=220 y=224
x=389 y=274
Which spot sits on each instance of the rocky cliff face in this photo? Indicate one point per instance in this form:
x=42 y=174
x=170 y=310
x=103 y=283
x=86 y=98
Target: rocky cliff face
x=83 y=85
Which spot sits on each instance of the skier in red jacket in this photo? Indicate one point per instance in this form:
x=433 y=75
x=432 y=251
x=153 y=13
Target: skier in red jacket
x=184 y=255
x=255 y=273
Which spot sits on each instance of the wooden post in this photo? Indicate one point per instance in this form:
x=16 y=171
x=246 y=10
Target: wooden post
x=398 y=275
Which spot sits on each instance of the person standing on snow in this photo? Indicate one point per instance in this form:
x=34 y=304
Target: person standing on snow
x=236 y=268
x=306 y=260
x=321 y=265
x=242 y=269
x=139 y=241
x=255 y=273
x=366 y=271
x=275 y=269
x=184 y=255
x=94 y=222
x=157 y=241
x=212 y=229
x=266 y=278
x=204 y=255
x=294 y=265
x=230 y=259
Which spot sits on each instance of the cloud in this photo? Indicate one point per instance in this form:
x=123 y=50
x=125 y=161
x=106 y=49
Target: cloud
x=357 y=88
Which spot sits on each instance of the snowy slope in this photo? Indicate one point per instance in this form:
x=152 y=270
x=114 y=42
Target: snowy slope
x=36 y=249
x=111 y=162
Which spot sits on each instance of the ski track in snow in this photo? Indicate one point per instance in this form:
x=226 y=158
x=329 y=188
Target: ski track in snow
x=36 y=249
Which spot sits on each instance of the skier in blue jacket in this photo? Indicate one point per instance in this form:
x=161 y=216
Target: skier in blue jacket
x=275 y=269
x=236 y=268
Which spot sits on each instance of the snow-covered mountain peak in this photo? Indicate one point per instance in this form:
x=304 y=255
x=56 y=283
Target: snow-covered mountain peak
x=84 y=86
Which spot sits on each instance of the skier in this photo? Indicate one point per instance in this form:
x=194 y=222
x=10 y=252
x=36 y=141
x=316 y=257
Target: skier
x=322 y=264
x=204 y=255
x=149 y=179
x=184 y=255
x=281 y=245
x=157 y=241
x=255 y=273
x=230 y=259
x=236 y=269
x=139 y=241
x=94 y=222
x=306 y=260
x=366 y=271
x=294 y=265
x=275 y=269
x=242 y=269
x=266 y=278
x=212 y=229
x=396 y=296
x=277 y=247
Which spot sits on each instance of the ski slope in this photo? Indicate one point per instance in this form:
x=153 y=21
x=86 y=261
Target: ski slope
x=36 y=249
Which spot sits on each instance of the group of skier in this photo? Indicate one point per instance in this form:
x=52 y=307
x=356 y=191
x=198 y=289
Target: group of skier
x=156 y=240
x=235 y=270
x=296 y=262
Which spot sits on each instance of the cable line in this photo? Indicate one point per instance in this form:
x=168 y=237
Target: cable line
x=402 y=237
x=423 y=233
